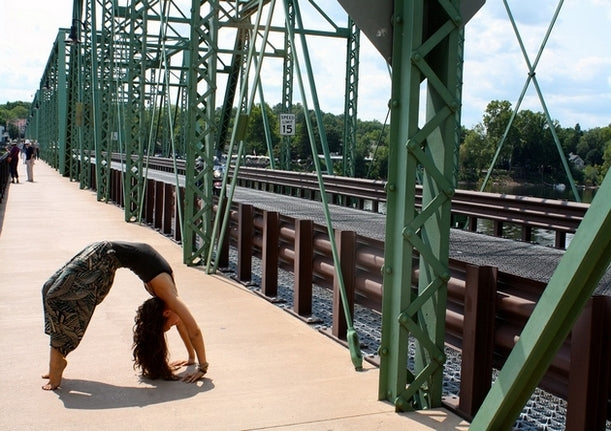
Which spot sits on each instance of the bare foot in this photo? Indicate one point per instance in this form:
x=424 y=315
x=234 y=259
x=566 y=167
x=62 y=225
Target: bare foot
x=57 y=364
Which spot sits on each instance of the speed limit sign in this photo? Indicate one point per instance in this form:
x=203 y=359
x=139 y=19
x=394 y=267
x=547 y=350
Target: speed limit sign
x=287 y=124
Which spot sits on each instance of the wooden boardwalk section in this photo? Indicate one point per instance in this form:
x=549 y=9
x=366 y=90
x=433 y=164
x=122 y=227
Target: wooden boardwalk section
x=268 y=370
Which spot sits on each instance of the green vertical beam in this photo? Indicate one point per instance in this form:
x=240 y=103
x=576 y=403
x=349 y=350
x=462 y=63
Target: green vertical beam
x=351 y=99
x=74 y=106
x=233 y=76
x=136 y=121
x=322 y=135
x=73 y=114
x=107 y=101
x=32 y=126
x=89 y=83
x=567 y=292
x=287 y=83
x=201 y=129
x=61 y=100
x=427 y=44
x=50 y=102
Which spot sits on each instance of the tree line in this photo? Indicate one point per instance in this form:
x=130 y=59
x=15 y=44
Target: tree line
x=529 y=151
x=10 y=113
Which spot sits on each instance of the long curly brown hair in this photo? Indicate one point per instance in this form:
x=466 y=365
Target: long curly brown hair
x=150 y=347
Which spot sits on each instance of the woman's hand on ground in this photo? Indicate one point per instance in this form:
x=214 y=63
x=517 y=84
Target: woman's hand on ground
x=181 y=363
x=194 y=377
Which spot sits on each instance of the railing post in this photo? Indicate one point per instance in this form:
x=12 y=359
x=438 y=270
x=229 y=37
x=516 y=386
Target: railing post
x=527 y=233
x=114 y=186
x=304 y=249
x=118 y=188
x=158 y=211
x=179 y=200
x=245 y=242
x=346 y=247
x=92 y=177
x=560 y=240
x=222 y=256
x=472 y=224
x=478 y=337
x=498 y=228
x=270 y=253
x=149 y=203
x=589 y=372
x=168 y=208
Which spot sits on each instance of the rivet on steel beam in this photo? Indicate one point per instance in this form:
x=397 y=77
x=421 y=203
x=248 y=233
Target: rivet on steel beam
x=383 y=351
x=390 y=187
x=408 y=233
x=401 y=403
x=440 y=359
x=387 y=269
x=445 y=277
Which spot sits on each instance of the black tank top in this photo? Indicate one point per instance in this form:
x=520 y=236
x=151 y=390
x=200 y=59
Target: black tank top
x=140 y=258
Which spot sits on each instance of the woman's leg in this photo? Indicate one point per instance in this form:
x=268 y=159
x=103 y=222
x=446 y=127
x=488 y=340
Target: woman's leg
x=57 y=364
x=69 y=300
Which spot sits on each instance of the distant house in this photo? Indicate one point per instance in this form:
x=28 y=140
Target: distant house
x=576 y=161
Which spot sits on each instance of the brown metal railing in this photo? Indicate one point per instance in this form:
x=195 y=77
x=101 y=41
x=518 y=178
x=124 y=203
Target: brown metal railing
x=486 y=310
x=528 y=213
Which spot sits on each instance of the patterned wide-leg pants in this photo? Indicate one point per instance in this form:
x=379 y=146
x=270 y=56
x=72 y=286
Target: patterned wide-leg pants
x=72 y=293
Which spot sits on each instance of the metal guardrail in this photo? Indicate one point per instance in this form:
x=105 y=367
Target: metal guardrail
x=529 y=213
x=487 y=308
x=561 y=217
x=486 y=312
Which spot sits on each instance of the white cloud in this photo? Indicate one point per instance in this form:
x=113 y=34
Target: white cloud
x=29 y=28
x=574 y=71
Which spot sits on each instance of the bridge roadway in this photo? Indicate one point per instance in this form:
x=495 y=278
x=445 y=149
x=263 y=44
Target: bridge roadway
x=531 y=261
x=268 y=370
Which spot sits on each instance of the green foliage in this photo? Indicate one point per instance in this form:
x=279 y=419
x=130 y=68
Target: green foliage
x=10 y=112
x=528 y=151
x=475 y=154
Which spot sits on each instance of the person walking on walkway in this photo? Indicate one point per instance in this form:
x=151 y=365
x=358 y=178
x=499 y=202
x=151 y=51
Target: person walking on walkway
x=13 y=160
x=29 y=160
x=72 y=293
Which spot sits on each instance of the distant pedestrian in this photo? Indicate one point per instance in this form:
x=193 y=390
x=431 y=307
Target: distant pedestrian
x=71 y=295
x=29 y=160
x=13 y=160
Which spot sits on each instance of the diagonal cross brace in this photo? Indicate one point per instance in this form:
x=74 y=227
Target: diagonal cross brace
x=533 y=78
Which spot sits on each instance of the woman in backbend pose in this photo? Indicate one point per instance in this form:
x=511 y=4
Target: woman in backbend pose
x=72 y=293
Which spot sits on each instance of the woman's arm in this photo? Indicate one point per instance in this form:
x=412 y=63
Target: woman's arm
x=184 y=336
x=164 y=288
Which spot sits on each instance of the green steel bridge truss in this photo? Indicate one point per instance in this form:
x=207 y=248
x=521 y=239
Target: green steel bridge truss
x=142 y=77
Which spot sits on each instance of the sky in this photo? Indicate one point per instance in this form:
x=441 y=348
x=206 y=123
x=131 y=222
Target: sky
x=573 y=73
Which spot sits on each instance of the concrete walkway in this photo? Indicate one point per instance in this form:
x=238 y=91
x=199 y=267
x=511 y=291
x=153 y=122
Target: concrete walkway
x=268 y=370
